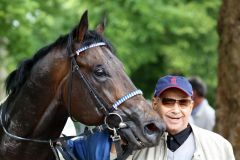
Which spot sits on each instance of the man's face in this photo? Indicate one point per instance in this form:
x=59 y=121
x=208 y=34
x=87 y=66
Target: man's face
x=174 y=113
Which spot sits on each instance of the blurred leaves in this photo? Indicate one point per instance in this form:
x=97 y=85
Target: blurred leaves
x=152 y=38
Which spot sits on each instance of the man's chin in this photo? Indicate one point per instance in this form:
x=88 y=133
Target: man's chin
x=173 y=129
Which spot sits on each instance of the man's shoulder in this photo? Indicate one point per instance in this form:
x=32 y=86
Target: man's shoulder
x=212 y=145
x=207 y=136
x=206 y=111
x=207 y=106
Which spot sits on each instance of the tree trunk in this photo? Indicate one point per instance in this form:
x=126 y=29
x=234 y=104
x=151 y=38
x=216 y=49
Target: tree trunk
x=228 y=91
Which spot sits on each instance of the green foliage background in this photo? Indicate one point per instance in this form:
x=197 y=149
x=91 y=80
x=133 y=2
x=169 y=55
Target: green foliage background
x=152 y=38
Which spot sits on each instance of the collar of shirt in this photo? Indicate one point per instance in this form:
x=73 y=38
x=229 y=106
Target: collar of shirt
x=175 y=141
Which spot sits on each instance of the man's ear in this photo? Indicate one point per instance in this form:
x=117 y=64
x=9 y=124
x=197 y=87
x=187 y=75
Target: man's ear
x=155 y=103
x=192 y=104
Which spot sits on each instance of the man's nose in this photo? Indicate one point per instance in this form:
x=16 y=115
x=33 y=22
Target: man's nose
x=176 y=107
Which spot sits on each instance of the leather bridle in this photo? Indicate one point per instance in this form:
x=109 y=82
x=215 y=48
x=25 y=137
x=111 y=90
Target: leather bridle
x=101 y=105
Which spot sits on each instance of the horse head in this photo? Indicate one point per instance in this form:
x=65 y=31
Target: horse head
x=105 y=74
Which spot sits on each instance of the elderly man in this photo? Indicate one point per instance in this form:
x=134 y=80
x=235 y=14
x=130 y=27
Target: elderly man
x=182 y=141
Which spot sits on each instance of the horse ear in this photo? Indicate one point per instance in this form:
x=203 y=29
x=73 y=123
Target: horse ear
x=100 y=27
x=82 y=27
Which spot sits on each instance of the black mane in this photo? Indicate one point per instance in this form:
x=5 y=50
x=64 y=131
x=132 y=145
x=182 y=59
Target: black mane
x=17 y=78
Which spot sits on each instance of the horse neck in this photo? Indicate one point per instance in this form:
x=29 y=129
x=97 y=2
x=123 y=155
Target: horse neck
x=37 y=110
x=39 y=102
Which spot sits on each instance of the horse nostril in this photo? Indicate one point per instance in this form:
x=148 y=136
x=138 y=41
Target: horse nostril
x=151 y=128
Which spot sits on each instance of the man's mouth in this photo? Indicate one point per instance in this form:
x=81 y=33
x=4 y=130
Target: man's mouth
x=174 y=119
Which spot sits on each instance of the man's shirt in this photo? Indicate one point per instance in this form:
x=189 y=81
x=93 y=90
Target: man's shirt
x=175 y=141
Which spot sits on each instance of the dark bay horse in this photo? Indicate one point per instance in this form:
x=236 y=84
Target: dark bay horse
x=79 y=76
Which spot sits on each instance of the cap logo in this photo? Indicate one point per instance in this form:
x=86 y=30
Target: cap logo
x=173 y=80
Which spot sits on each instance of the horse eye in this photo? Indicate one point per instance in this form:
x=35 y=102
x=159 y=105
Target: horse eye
x=100 y=72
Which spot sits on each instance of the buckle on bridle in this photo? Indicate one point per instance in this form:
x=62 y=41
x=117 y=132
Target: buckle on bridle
x=117 y=118
x=115 y=137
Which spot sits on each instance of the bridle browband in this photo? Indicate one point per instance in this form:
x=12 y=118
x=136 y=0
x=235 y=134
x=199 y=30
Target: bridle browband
x=101 y=104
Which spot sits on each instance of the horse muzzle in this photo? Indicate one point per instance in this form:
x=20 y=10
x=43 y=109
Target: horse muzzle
x=146 y=135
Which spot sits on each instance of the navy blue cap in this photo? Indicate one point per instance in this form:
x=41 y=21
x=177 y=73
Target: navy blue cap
x=169 y=81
